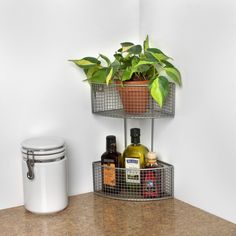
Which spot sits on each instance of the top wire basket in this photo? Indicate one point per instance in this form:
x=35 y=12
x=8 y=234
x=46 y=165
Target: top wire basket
x=134 y=101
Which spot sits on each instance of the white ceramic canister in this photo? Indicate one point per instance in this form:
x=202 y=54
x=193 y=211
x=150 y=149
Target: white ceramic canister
x=44 y=167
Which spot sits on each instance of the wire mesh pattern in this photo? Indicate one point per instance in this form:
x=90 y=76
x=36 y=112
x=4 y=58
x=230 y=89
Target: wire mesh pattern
x=116 y=101
x=140 y=189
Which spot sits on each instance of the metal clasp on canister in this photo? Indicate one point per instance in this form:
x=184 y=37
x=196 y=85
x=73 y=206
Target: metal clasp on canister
x=30 y=164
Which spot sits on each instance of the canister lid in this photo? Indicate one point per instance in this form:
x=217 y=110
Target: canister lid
x=43 y=143
x=44 y=147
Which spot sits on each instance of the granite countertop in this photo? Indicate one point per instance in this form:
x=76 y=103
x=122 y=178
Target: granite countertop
x=92 y=215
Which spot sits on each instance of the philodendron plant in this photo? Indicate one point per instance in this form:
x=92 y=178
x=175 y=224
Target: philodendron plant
x=134 y=62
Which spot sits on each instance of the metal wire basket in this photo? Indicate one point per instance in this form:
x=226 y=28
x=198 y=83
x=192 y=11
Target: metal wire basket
x=139 y=190
x=109 y=100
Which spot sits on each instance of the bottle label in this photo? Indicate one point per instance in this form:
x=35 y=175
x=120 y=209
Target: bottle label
x=150 y=188
x=132 y=175
x=109 y=174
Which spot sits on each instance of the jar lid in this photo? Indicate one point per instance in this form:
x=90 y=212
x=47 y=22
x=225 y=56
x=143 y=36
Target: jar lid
x=44 y=147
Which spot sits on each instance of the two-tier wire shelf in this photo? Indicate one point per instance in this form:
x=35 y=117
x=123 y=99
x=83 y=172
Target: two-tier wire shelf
x=106 y=101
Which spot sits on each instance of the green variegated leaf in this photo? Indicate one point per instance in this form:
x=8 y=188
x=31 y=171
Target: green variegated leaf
x=126 y=46
x=145 y=63
x=106 y=59
x=134 y=61
x=142 y=68
x=136 y=49
x=173 y=74
x=99 y=76
x=146 y=44
x=116 y=66
x=109 y=75
x=118 y=57
x=167 y=64
x=90 y=71
x=156 y=92
x=158 y=54
x=86 y=62
x=127 y=74
x=149 y=57
x=115 y=63
x=164 y=84
x=160 y=89
x=131 y=48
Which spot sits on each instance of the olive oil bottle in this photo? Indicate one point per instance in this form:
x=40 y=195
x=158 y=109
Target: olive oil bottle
x=110 y=160
x=134 y=159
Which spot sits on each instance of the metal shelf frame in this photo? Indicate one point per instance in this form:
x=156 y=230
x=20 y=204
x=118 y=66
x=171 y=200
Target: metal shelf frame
x=106 y=101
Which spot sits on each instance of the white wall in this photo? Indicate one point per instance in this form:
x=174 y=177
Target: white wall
x=200 y=35
x=41 y=93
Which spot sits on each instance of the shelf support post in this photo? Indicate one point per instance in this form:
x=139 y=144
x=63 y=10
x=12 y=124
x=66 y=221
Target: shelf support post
x=152 y=133
x=125 y=132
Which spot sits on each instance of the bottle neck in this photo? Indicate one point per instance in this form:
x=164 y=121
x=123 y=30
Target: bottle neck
x=111 y=147
x=135 y=140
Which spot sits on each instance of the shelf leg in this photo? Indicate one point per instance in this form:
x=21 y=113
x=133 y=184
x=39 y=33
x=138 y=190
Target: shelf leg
x=152 y=133
x=125 y=132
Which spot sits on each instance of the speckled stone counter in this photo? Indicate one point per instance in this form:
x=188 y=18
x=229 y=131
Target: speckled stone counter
x=92 y=215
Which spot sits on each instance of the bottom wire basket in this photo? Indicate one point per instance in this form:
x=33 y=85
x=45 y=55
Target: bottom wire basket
x=145 y=184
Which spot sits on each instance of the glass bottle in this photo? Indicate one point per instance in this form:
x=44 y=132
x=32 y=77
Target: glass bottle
x=151 y=183
x=134 y=159
x=110 y=160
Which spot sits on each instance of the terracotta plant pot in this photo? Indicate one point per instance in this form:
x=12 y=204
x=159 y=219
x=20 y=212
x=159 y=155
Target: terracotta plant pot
x=134 y=95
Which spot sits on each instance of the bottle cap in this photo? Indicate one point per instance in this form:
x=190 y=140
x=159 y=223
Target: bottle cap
x=135 y=132
x=111 y=142
x=111 y=138
x=151 y=160
x=151 y=156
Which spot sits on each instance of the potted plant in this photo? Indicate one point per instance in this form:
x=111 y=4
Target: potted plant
x=137 y=70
